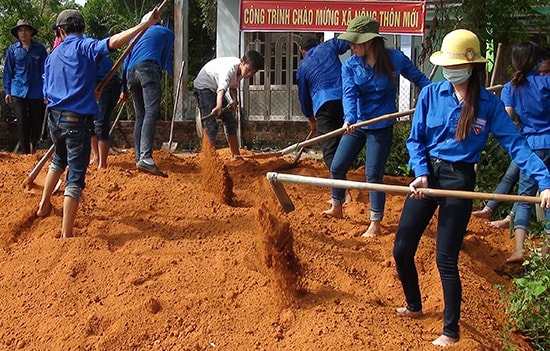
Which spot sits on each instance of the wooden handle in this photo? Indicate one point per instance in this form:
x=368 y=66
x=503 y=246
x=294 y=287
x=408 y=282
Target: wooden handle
x=340 y=131
x=210 y=115
x=346 y=184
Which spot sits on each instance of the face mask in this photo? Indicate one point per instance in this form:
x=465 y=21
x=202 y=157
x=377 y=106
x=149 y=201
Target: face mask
x=456 y=76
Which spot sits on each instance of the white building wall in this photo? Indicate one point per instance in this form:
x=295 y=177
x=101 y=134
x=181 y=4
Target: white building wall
x=227 y=33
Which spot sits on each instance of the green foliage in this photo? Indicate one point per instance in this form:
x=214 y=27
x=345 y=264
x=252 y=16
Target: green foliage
x=528 y=305
x=202 y=36
x=399 y=157
x=41 y=15
x=494 y=21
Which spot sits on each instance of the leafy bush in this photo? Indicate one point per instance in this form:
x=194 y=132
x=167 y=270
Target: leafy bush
x=528 y=305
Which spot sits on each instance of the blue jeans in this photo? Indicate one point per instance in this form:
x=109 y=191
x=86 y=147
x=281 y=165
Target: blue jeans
x=505 y=185
x=144 y=84
x=529 y=187
x=452 y=221
x=378 y=143
x=107 y=102
x=70 y=133
x=207 y=101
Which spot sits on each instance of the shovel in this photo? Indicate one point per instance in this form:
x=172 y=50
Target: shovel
x=199 y=119
x=170 y=147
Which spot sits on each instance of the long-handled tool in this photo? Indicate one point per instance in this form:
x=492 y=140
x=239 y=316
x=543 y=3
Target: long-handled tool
x=44 y=143
x=28 y=182
x=339 y=131
x=329 y=135
x=117 y=118
x=170 y=147
x=275 y=180
x=199 y=118
x=118 y=62
x=299 y=154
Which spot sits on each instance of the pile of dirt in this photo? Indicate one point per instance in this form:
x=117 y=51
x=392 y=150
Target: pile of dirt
x=190 y=263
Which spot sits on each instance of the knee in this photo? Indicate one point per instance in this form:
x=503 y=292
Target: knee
x=446 y=263
x=401 y=254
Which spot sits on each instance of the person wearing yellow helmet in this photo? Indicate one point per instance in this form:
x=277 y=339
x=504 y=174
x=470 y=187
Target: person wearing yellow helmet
x=450 y=128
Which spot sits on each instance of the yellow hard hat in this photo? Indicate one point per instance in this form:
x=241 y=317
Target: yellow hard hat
x=459 y=47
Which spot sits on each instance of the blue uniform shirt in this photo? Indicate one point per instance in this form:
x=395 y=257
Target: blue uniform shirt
x=434 y=126
x=23 y=70
x=104 y=67
x=319 y=75
x=531 y=101
x=367 y=96
x=155 y=44
x=70 y=74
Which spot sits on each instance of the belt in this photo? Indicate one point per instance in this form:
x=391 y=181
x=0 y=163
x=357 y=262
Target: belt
x=437 y=161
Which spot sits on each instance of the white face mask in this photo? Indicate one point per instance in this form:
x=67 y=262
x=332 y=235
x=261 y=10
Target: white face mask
x=456 y=76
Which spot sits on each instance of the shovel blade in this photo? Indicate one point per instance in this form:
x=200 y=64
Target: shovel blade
x=169 y=147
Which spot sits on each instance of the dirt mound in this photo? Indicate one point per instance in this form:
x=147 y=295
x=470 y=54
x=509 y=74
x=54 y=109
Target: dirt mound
x=196 y=263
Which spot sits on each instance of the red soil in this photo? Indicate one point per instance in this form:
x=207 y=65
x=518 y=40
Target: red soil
x=206 y=259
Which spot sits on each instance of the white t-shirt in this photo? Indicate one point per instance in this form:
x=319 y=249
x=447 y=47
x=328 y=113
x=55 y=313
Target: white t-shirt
x=218 y=74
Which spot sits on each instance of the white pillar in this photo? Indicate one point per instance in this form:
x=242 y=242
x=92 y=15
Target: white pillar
x=404 y=100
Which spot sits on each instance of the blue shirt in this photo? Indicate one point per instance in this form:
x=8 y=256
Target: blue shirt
x=531 y=101
x=156 y=44
x=104 y=67
x=434 y=125
x=319 y=75
x=23 y=70
x=70 y=74
x=366 y=95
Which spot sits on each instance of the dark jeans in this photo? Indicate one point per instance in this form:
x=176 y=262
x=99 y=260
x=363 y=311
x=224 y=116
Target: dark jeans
x=453 y=218
x=206 y=100
x=329 y=117
x=30 y=116
x=144 y=84
x=107 y=102
x=70 y=133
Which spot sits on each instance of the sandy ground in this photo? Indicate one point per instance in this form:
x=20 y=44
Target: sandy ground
x=206 y=260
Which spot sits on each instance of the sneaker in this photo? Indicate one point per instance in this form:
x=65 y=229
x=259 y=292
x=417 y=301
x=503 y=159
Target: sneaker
x=153 y=169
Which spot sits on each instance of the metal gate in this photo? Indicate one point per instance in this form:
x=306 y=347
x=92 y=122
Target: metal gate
x=272 y=94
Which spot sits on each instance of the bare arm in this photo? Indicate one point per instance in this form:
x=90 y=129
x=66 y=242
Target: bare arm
x=118 y=40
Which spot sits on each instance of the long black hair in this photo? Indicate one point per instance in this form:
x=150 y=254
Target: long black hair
x=383 y=63
x=470 y=106
x=525 y=58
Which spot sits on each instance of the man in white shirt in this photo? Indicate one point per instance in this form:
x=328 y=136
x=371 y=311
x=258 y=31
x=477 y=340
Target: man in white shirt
x=212 y=83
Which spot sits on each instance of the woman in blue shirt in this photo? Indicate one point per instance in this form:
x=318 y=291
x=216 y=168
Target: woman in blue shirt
x=450 y=128
x=369 y=83
x=527 y=95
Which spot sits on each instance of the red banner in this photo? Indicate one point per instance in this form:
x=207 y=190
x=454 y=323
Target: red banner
x=395 y=17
